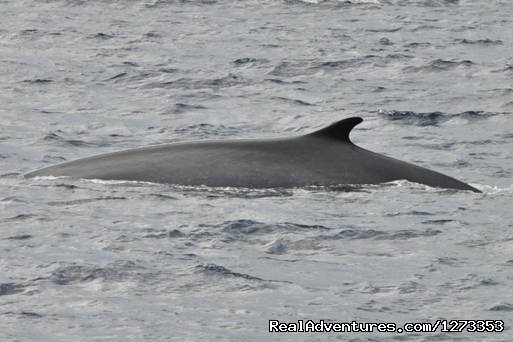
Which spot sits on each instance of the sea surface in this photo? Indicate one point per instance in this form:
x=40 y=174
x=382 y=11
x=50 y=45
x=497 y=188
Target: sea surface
x=126 y=261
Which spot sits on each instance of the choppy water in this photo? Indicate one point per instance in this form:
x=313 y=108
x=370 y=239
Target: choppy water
x=114 y=261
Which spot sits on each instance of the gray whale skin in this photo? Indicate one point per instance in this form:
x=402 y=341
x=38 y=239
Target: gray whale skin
x=323 y=158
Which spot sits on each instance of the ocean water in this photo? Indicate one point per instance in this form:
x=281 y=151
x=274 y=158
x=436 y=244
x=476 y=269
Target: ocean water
x=119 y=261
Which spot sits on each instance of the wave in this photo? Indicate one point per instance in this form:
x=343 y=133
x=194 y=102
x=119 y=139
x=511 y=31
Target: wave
x=431 y=118
x=439 y=65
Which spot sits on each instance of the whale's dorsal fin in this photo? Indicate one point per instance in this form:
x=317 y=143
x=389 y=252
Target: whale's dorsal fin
x=339 y=130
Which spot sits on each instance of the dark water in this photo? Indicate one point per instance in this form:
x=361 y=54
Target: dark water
x=114 y=261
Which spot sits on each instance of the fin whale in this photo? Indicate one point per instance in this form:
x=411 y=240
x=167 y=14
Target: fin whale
x=324 y=158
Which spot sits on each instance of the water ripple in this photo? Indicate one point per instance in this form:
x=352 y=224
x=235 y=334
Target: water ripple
x=11 y=288
x=431 y=118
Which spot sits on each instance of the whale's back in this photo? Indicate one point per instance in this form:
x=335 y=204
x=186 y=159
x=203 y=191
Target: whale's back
x=325 y=157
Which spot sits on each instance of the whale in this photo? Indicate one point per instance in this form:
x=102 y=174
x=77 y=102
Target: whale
x=326 y=157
